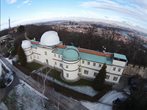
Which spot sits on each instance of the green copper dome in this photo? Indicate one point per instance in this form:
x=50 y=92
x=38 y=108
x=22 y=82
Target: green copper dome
x=71 y=53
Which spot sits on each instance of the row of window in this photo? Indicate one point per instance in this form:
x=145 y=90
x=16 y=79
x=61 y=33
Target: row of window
x=34 y=56
x=57 y=55
x=61 y=65
x=114 y=78
x=86 y=72
x=88 y=63
x=107 y=76
x=114 y=69
x=100 y=65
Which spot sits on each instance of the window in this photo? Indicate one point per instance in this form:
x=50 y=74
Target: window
x=54 y=55
x=115 y=78
x=114 y=68
x=37 y=57
x=94 y=64
x=100 y=65
x=58 y=56
x=34 y=56
x=55 y=63
x=66 y=66
x=85 y=72
x=88 y=63
x=30 y=57
x=119 y=69
x=46 y=61
x=83 y=61
x=67 y=75
x=107 y=76
x=95 y=73
x=60 y=64
x=45 y=53
x=79 y=69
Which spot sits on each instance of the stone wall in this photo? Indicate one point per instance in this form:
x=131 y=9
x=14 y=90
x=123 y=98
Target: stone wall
x=133 y=70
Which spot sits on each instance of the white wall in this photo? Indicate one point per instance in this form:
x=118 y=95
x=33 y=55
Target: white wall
x=73 y=75
x=111 y=78
x=116 y=70
x=119 y=63
x=90 y=72
x=71 y=70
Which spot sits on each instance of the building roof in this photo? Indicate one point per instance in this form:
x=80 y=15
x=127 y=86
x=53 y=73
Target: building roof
x=70 y=53
x=95 y=52
x=50 y=38
x=95 y=58
x=120 y=56
x=86 y=54
x=89 y=57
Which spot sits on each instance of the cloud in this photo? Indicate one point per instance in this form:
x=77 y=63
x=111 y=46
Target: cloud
x=25 y=2
x=11 y=1
x=28 y=2
x=132 y=8
x=132 y=12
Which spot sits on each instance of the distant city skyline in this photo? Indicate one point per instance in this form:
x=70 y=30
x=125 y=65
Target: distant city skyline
x=129 y=13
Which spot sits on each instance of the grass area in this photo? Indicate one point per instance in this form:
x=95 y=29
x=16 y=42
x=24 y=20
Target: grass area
x=57 y=75
x=33 y=66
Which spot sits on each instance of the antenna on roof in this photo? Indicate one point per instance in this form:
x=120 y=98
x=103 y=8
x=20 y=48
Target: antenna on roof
x=9 y=21
x=104 y=48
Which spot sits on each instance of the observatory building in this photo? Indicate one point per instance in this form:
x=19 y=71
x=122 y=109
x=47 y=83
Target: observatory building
x=75 y=63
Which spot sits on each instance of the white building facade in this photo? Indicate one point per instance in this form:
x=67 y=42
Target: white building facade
x=75 y=63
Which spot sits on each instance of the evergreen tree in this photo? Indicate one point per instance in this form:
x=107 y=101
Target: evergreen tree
x=21 y=29
x=137 y=100
x=99 y=80
x=22 y=56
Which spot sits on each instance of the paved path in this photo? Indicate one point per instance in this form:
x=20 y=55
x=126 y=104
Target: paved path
x=64 y=102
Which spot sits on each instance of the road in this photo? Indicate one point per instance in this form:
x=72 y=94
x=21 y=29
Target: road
x=4 y=92
x=64 y=103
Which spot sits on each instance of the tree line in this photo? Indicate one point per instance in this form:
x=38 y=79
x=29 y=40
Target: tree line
x=133 y=49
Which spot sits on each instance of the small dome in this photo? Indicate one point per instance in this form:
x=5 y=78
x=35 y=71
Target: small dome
x=50 y=38
x=26 y=44
x=71 y=53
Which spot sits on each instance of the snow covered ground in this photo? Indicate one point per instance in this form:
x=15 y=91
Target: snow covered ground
x=105 y=102
x=3 y=106
x=82 y=89
x=23 y=97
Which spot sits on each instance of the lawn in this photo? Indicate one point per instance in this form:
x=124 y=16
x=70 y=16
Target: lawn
x=56 y=74
x=33 y=66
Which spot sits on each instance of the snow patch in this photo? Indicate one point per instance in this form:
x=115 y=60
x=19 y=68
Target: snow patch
x=9 y=60
x=3 y=106
x=25 y=98
x=96 y=106
x=105 y=103
x=82 y=89
x=32 y=89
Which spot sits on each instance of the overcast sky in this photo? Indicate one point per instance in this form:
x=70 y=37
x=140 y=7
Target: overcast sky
x=131 y=13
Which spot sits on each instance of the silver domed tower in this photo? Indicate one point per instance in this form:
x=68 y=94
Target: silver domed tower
x=50 y=38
